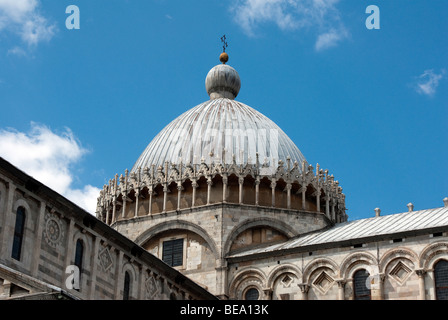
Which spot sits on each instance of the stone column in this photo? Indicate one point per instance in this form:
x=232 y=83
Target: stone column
x=304 y=289
x=240 y=193
x=123 y=209
x=327 y=206
x=137 y=196
x=150 y=192
x=224 y=188
x=209 y=189
x=108 y=217
x=93 y=267
x=421 y=277
x=257 y=191
x=165 y=195
x=377 y=286
x=273 y=184
x=303 y=189
x=431 y=284
x=179 y=194
x=194 y=184
x=288 y=195
x=341 y=288
x=318 y=200
x=221 y=277
x=333 y=213
x=114 y=208
x=36 y=250
x=118 y=276
x=140 y=282
x=267 y=294
x=8 y=221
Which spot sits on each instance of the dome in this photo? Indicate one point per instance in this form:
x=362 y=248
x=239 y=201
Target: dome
x=220 y=130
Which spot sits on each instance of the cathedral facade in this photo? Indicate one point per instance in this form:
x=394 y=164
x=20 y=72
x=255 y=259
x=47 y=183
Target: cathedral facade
x=220 y=205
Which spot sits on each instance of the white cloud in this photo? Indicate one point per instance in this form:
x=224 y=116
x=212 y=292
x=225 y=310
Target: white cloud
x=293 y=15
x=22 y=17
x=17 y=51
x=330 y=39
x=428 y=82
x=49 y=157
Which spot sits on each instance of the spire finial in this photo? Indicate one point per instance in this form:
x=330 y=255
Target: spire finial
x=224 y=57
x=224 y=43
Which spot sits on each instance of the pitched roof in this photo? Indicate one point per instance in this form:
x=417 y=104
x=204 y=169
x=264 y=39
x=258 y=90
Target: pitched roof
x=361 y=229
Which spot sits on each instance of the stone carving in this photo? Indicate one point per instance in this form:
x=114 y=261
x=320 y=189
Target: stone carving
x=152 y=287
x=105 y=259
x=53 y=231
x=319 y=181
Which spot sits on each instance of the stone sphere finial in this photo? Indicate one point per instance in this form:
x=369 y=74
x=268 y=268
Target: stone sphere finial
x=224 y=57
x=223 y=81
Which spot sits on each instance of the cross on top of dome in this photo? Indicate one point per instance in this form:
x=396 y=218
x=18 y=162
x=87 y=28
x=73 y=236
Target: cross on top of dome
x=223 y=81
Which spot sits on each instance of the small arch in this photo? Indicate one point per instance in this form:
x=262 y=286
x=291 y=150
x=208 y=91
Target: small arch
x=129 y=279
x=441 y=279
x=360 y=289
x=397 y=253
x=181 y=225
x=431 y=253
x=355 y=261
x=275 y=224
x=248 y=278
x=318 y=264
x=279 y=270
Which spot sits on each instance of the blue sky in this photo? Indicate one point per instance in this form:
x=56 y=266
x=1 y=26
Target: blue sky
x=371 y=106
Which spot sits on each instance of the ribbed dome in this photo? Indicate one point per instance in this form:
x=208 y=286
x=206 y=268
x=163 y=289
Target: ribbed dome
x=220 y=130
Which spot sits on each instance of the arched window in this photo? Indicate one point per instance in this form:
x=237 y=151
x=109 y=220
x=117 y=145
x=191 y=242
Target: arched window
x=360 y=279
x=441 y=279
x=79 y=252
x=18 y=233
x=251 y=294
x=127 y=285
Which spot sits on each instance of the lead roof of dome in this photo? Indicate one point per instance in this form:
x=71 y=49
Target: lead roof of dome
x=220 y=130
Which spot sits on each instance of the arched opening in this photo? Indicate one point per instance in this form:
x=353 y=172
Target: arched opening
x=441 y=279
x=187 y=194
x=126 y=286
x=233 y=188
x=280 y=194
x=171 y=197
x=252 y=294
x=265 y=193
x=18 y=233
x=216 y=190
x=360 y=289
x=249 y=190
x=157 y=199
x=201 y=192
